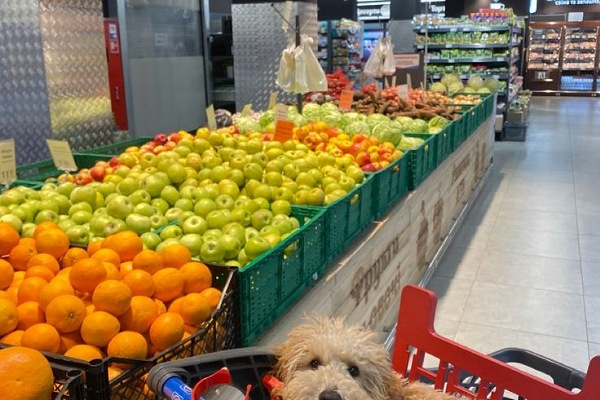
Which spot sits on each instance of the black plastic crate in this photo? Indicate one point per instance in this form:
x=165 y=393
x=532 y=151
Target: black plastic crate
x=515 y=131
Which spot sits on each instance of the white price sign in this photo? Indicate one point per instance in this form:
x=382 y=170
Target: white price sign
x=62 y=155
x=210 y=117
x=8 y=162
x=281 y=112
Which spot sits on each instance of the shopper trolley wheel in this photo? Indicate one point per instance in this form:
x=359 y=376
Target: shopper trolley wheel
x=475 y=375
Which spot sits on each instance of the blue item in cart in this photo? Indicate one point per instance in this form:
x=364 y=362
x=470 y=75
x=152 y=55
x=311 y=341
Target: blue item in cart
x=214 y=387
x=175 y=389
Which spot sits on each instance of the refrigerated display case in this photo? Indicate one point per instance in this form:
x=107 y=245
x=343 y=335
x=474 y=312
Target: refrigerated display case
x=340 y=46
x=579 y=59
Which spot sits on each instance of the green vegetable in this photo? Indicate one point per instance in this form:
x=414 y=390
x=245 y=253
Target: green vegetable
x=404 y=120
x=475 y=82
x=350 y=117
x=436 y=124
x=438 y=87
x=266 y=118
x=409 y=143
x=376 y=119
x=391 y=131
x=418 y=126
x=356 y=127
x=312 y=112
x=246 y=125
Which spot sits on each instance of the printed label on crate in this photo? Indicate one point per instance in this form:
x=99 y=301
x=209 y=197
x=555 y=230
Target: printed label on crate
x=62 y=155
x=284 y=130
x=272 y=100
x=8 y=162
x=346 y=100
x=246 y=110
x=281 y=112
x=402 y=91
x=210 y=117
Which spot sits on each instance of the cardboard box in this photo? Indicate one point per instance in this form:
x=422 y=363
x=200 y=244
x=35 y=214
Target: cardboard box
x=518 y=116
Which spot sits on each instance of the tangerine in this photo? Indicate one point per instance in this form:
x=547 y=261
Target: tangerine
x=112 y=296
x=9 y=316
x=30 y=313
x=126 y=244
x=7 y=274
x=42 y=337
x=99 y=327
x=175 y=255
x=128 y=344
x=140 y=282
x=148 y=260
x=45 y=260
x=166 y=330
x=73 y=255
x=168 y=284
x=66 y=313
x=25 y=374
x=140 y=315
x=86 y=274
x=196 y=277
x=30 y=288
x=84 y=352
x=9 y=238
x=194 y=308
x=52 y=241
x=20 y=255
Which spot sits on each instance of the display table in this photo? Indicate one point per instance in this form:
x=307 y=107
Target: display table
x=364 y=283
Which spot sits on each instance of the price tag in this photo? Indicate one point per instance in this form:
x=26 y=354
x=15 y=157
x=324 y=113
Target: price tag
x=281 y=112
x=346 y=100
x=210 y=117
x=500 y=59
x=272 y=100
x=61 y=155
x=246 y=110
x=402 y=91
x=448 y=46
x=284 y=130
x=453 y=30
x=8 y=162
x=451 y=60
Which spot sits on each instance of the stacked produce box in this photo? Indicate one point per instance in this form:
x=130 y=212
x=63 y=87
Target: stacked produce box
x=192 y=242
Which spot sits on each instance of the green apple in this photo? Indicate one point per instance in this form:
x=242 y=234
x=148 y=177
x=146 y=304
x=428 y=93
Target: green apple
x=98 y=222
x=82 y=217
x=229 y=188
x=262 y=191
x=160 y=204
x=218 y=173
x=212 y=234
x=215 y=138
x=114 y=226
x=291 y=171
x=217 y=219
x=171 y=232
x=194 y=224
x=211 y=251
x=194 y=160
x=11 y=196
x=187 y=192
x=262 y=203
x=146 y=209
x=331 y=187
x=355 y=173
x=236 y=230
x=148 y=160
x=347 y=183
x=316 y=197
x=283 y=225
x=238 y=161
x=128 y=186
x=158 y=221
x=250 y=186
x=12 y=220
x=253 y=170
x=242 y=258
x=306 y=179
x=255 y=246
x=290 y=184
x=46 y=215
x=140 y=196
x=166 y=243
x=260 y=159
x=241 y=215
x=119 y=207
x=281 y=207
x=84 y=194
x=138 y=223
x=273 y=238
x=150 y=240
x=184 y=204
x=24 y=214
x=78 y=235
x=176 y=173
x=225 y=153
x=173 y=213
x=301 y=197
x=193 y=242
x=48 y=205
x=224 y=202
x=170 y=194
x=183 y=216
x=201 y=145
x=153 y=184
x=65 y=188
x=230 y=245
x=273 y=179
x=79 y=207
x=28 y=229
x=283 y=194
x=205 y=206
x=261 y=218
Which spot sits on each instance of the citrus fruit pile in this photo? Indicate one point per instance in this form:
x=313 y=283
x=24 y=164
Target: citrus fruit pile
x=25 y=374
x=112 y=299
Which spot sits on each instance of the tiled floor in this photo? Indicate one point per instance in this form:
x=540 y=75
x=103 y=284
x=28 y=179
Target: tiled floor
x=524 y=269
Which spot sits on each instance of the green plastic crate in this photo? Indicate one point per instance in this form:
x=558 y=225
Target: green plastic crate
x=119 y=147
x=460 y=131
x=29 y=184
x=422 y=160
x=273 y=282
x=390 y=185
x=445 y=144
x=42 y=170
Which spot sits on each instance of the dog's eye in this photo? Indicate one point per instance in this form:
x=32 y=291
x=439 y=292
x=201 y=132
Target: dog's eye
x=353 y=371
x=314 y=364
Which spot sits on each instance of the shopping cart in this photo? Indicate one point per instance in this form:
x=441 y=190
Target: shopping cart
x=459 y=370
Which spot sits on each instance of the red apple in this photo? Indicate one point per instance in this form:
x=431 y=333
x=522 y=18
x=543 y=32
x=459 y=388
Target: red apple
x=161 y=139
x=98 y=172
x=113 y=162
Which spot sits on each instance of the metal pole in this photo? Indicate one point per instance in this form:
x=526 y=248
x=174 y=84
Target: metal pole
x=299 y=95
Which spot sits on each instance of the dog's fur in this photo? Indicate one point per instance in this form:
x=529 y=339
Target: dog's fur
x=325 y=359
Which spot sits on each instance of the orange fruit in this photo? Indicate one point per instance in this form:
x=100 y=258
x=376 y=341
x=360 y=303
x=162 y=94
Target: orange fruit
x=30 y=314
x=140 y=315
x=174 y=306
x=160 y=306
x=194 y=308
x=13 y=338
x=30 y=288
x=113 y=372
x=128 y=344
x=42 y=337
x=7 y=274
x=56 y=287
x=94 y=246
x=66 y=313
x=213 y=296
x=41 y=272
x=68 y=340
x=52 y=241
x=112 y=271
x=73 y=255
x=140 y=282
x=175 y=256
x=99 y=328
x=86 y=274
x=19 y=256
x=18 y=278
x=196 y=277
x=148 y=260
x=41 y=227
x=166 y=330
x=126 y=244
x=107 y=255
x=125 y=268
x=12 y=293
x=4 y=295
x=25 y=374
x=9 y=316
x=45 y=260
x=112 y=296
x=168 y=284
x=9 y=238
x=27 y=241
x=84 y=352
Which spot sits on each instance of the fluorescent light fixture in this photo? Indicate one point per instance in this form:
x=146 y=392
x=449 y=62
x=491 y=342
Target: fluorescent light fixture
x=532 y=6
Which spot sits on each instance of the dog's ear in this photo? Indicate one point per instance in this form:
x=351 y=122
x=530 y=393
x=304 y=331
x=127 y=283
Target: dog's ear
x=396 y=386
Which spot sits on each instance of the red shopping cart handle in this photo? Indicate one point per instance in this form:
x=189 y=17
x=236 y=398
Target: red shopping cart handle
x=221 y=377
x=415 y=330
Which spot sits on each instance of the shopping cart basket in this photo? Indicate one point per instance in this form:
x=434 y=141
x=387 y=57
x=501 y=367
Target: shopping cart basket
x=460 y=370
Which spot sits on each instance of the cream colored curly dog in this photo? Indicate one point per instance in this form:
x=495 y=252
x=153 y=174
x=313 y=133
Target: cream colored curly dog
x=328 y=360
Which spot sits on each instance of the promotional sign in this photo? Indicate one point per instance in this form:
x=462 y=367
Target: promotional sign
x=61 y=154
x=210 y=116
x=373 y=10
x=8 y=162
x=346 y=100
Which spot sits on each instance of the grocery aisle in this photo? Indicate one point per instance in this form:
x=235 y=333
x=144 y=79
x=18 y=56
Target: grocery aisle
x=524 y=269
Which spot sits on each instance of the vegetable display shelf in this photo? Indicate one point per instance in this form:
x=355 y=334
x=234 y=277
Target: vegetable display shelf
x=340 y=47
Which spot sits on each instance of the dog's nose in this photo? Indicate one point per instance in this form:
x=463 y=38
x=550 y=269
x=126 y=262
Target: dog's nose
x=329 y=395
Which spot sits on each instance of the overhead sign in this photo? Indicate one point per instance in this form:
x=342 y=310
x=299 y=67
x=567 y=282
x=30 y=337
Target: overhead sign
x=373 y=10
x=574 y=2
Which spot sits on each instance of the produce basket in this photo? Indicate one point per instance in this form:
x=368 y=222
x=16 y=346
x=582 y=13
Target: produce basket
x=461 y=129
x=390 y=185
x=220 y=332
x=445 y=145
x=474 y=375
x=27 y=184
x=422 y=160
x=271 y=283
x=68 y=381
x=42 y=170
x=119 y=147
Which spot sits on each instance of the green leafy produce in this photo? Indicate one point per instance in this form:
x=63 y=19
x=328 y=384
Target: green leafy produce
x=449 y=79
x=356 y=127
x=455 y=87
x=266 y=118
x=391 y=131
x=312 y=112
x=475 y=82
x=404 y=120
x=350 y=117
x=492 y=84
x=409 y=143
x=376 y=119
x=418 y=126
x=436 y=124
x=328 y=108
x=438 y=87
x=299 y=120
x=332 y=117
x=246 y=125
x=484 y=90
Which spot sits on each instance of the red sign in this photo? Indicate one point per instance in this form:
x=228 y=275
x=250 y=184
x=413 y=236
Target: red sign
x=346 y=100
x=284 y=130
